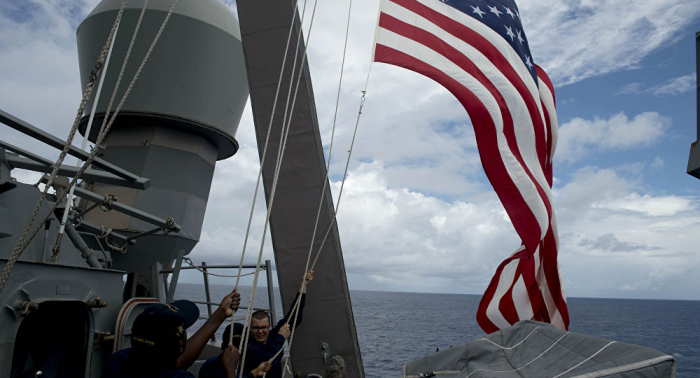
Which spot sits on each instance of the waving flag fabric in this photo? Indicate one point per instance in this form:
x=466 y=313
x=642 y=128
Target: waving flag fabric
x=477 y=50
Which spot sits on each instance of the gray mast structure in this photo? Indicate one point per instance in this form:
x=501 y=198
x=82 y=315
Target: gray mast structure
x=59 y=316
x=328 y=323
x=694 y=159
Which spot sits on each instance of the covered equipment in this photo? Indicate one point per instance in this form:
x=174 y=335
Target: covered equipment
x=534 y=349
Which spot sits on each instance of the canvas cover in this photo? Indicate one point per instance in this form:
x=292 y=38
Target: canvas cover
x=534 y=349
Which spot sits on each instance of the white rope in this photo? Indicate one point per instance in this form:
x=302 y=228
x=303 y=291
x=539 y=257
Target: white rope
x=105 y=126
x=347 y=165
x=323 y=192
x=267 y=138
x=21 y=244
x=587 y=359
x=280 y=156
x=524 y=366
x=86 y=136
x=330 y=151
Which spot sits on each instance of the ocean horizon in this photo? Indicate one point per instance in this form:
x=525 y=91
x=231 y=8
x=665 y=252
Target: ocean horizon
x=394 y=328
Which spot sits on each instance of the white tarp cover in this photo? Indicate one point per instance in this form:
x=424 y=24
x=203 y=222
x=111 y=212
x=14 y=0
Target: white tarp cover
x=534 y=349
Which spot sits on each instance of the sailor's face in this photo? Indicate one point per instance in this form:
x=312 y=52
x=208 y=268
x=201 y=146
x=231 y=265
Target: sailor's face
x=259 y=329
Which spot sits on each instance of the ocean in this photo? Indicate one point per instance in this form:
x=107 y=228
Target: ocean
x=396 y=328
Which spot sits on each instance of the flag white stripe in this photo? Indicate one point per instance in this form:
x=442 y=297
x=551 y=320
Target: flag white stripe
x=521 y=299
x=524 y=130
x=493 y=312
x=519 y=177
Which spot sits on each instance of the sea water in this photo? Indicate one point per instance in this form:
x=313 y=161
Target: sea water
x=396 y=328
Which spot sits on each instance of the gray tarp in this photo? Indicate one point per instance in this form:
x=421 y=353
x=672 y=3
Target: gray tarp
x=534 y=349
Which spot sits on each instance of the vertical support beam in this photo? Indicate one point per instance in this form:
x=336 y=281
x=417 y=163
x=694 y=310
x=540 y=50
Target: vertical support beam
x=697 y=70
x=328 y=317
x=175 y=277
x=132 y=278
x=206 y=292
x=270 y=291
x=694 y=159
x=157 y=281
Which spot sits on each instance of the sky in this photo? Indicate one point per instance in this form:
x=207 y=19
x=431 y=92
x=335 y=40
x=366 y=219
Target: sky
x=417 y=212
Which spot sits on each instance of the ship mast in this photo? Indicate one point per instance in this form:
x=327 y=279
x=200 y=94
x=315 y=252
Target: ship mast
x=328 y=318
x=694 y=160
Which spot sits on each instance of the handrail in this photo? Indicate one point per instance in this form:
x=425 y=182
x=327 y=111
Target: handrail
x=204 y=267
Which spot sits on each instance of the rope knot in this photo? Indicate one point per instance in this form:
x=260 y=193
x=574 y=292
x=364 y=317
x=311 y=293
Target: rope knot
x=106 y=204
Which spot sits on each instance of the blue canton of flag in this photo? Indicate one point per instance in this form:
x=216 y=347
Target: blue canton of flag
x=503 y=17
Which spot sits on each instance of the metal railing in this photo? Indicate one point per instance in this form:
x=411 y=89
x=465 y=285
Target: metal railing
x=204 y=268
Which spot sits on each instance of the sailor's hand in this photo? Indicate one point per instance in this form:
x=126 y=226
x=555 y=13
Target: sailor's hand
x=231 y=302
x=230 y=358
x=284 y=331
x=261 y=369
x=309 y=277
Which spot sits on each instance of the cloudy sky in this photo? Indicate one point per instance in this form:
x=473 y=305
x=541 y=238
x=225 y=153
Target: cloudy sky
x=417 y=212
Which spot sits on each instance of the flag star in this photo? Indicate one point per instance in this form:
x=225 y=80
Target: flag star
x=495 y=11
x=517 y=14
x=510 y=33
x=478 y=11
x=520 y=37
x=510 y=12
x=528 y=63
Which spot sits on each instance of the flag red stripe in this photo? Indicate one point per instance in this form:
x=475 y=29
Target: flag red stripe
x=551 y=271
x=547 y=167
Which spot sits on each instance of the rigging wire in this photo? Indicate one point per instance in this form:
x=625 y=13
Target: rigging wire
x=21 y=245
x=86 y=136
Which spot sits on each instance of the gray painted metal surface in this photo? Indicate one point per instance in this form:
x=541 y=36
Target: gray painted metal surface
x=19 y=202
x=194 y=79
x=68 y=291
x=328 y=314
x=180 y=166
x=70 y=171
x=534 y=349
x=55 y=142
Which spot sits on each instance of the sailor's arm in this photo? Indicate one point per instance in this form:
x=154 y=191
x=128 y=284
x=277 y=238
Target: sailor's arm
x=290 y=315
x=196 y=343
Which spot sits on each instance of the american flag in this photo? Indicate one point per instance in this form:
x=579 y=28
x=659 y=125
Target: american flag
x=477 y=50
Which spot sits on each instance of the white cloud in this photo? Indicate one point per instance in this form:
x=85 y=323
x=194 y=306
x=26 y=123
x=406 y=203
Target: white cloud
x=672 y=87
x=575 y=40
x=614 y=236
x=404 y=233
x=649 y=205
x=579 y=137
x=658 y=162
